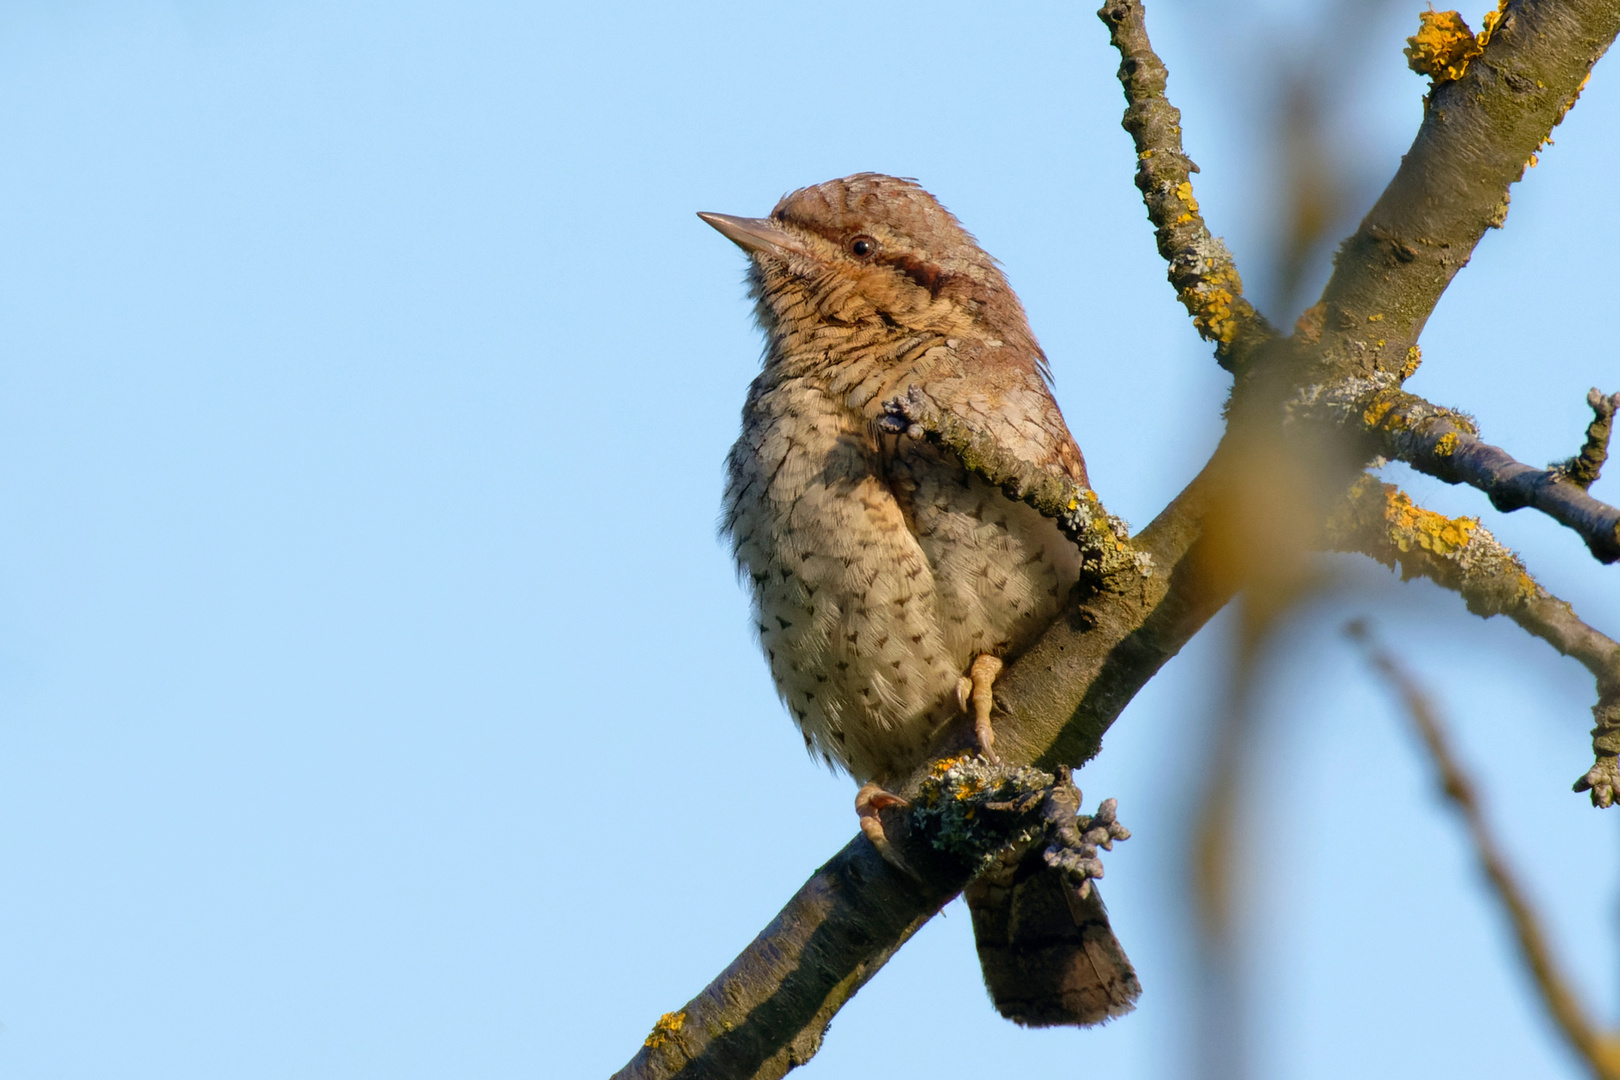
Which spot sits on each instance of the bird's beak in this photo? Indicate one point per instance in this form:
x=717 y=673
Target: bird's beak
x=755 y=235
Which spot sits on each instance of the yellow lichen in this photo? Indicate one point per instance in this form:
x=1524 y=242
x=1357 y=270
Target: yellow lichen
x=1490 y=22
x=1443 y=46
x=1377 y=411
x=1184 y=192
x=1214 y=316
x=669 y=1025
x=1411 y=526
x=1414 y=357
x=1534 y=161
x=1375 y=318
x=1446 y=445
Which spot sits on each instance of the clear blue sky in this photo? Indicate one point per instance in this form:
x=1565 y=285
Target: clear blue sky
x=375 y=699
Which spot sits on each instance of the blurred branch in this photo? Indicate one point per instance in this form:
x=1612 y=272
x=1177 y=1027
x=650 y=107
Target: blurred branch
x=1460 y=554
x=1201 y=269
x=1599 y=1050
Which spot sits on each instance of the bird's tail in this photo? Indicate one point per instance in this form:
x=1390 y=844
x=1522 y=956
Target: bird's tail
x=1048 y=954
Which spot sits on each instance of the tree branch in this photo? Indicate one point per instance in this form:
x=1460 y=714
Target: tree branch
x=1381 y=521
x=1477 y=136
x=1446 y=445
x=1583 y=469
x=1201 y=269
x=1600 y=1050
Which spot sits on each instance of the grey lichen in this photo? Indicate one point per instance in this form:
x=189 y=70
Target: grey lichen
x=970 y=809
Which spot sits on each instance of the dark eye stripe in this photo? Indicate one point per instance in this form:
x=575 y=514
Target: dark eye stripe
x=927 y=274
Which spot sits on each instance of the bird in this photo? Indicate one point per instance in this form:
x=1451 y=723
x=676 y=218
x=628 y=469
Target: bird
x=889 y=585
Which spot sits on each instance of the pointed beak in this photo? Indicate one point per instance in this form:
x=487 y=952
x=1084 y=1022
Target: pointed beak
x=754 y=235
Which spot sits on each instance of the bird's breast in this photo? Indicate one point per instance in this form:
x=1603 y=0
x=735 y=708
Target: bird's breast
x=878 y=569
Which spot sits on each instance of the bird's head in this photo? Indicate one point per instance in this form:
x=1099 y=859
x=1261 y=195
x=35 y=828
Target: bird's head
x=871 y=254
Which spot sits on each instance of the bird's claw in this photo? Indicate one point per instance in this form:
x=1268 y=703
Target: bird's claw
x=871 y=801
x=978 y=690
x=904 y=414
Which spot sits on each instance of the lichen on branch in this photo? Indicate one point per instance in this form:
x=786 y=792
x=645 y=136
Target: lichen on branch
x=1445 y=444
x=1200 y=267
x=1583 y=469
x=1381 y=521
x=1442 y=47
x=1104 y=540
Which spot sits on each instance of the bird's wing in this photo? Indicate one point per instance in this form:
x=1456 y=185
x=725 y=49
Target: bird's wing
x=1001 y=395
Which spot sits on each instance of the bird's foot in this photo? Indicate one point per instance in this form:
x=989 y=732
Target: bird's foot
x=974 y=689
x=1076 y=837
x=871 y=801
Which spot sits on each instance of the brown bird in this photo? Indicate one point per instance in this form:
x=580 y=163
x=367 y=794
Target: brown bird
x=889 y=584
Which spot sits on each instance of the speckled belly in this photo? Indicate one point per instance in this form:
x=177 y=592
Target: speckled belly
x=879 y=571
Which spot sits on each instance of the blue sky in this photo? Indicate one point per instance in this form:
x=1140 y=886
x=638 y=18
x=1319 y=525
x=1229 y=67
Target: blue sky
x=375 y=698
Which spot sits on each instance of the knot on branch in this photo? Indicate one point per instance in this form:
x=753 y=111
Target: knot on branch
x=974 y=811
x=1104 y=539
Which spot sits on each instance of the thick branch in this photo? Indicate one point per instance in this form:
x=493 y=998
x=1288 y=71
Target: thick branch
x=1381 y=521
x=1598 y=1049
x=1478 y=134
x=1201 y=269
x=1476 y=138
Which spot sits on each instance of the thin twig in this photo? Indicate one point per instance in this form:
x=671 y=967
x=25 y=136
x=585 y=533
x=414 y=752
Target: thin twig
x=1445 y=444
x=1583 y=469
x=1381 y=521
x=1600 y=1050
x=1201 y=269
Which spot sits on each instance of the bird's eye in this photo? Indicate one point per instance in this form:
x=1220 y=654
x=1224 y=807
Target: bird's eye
x=862 y=247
